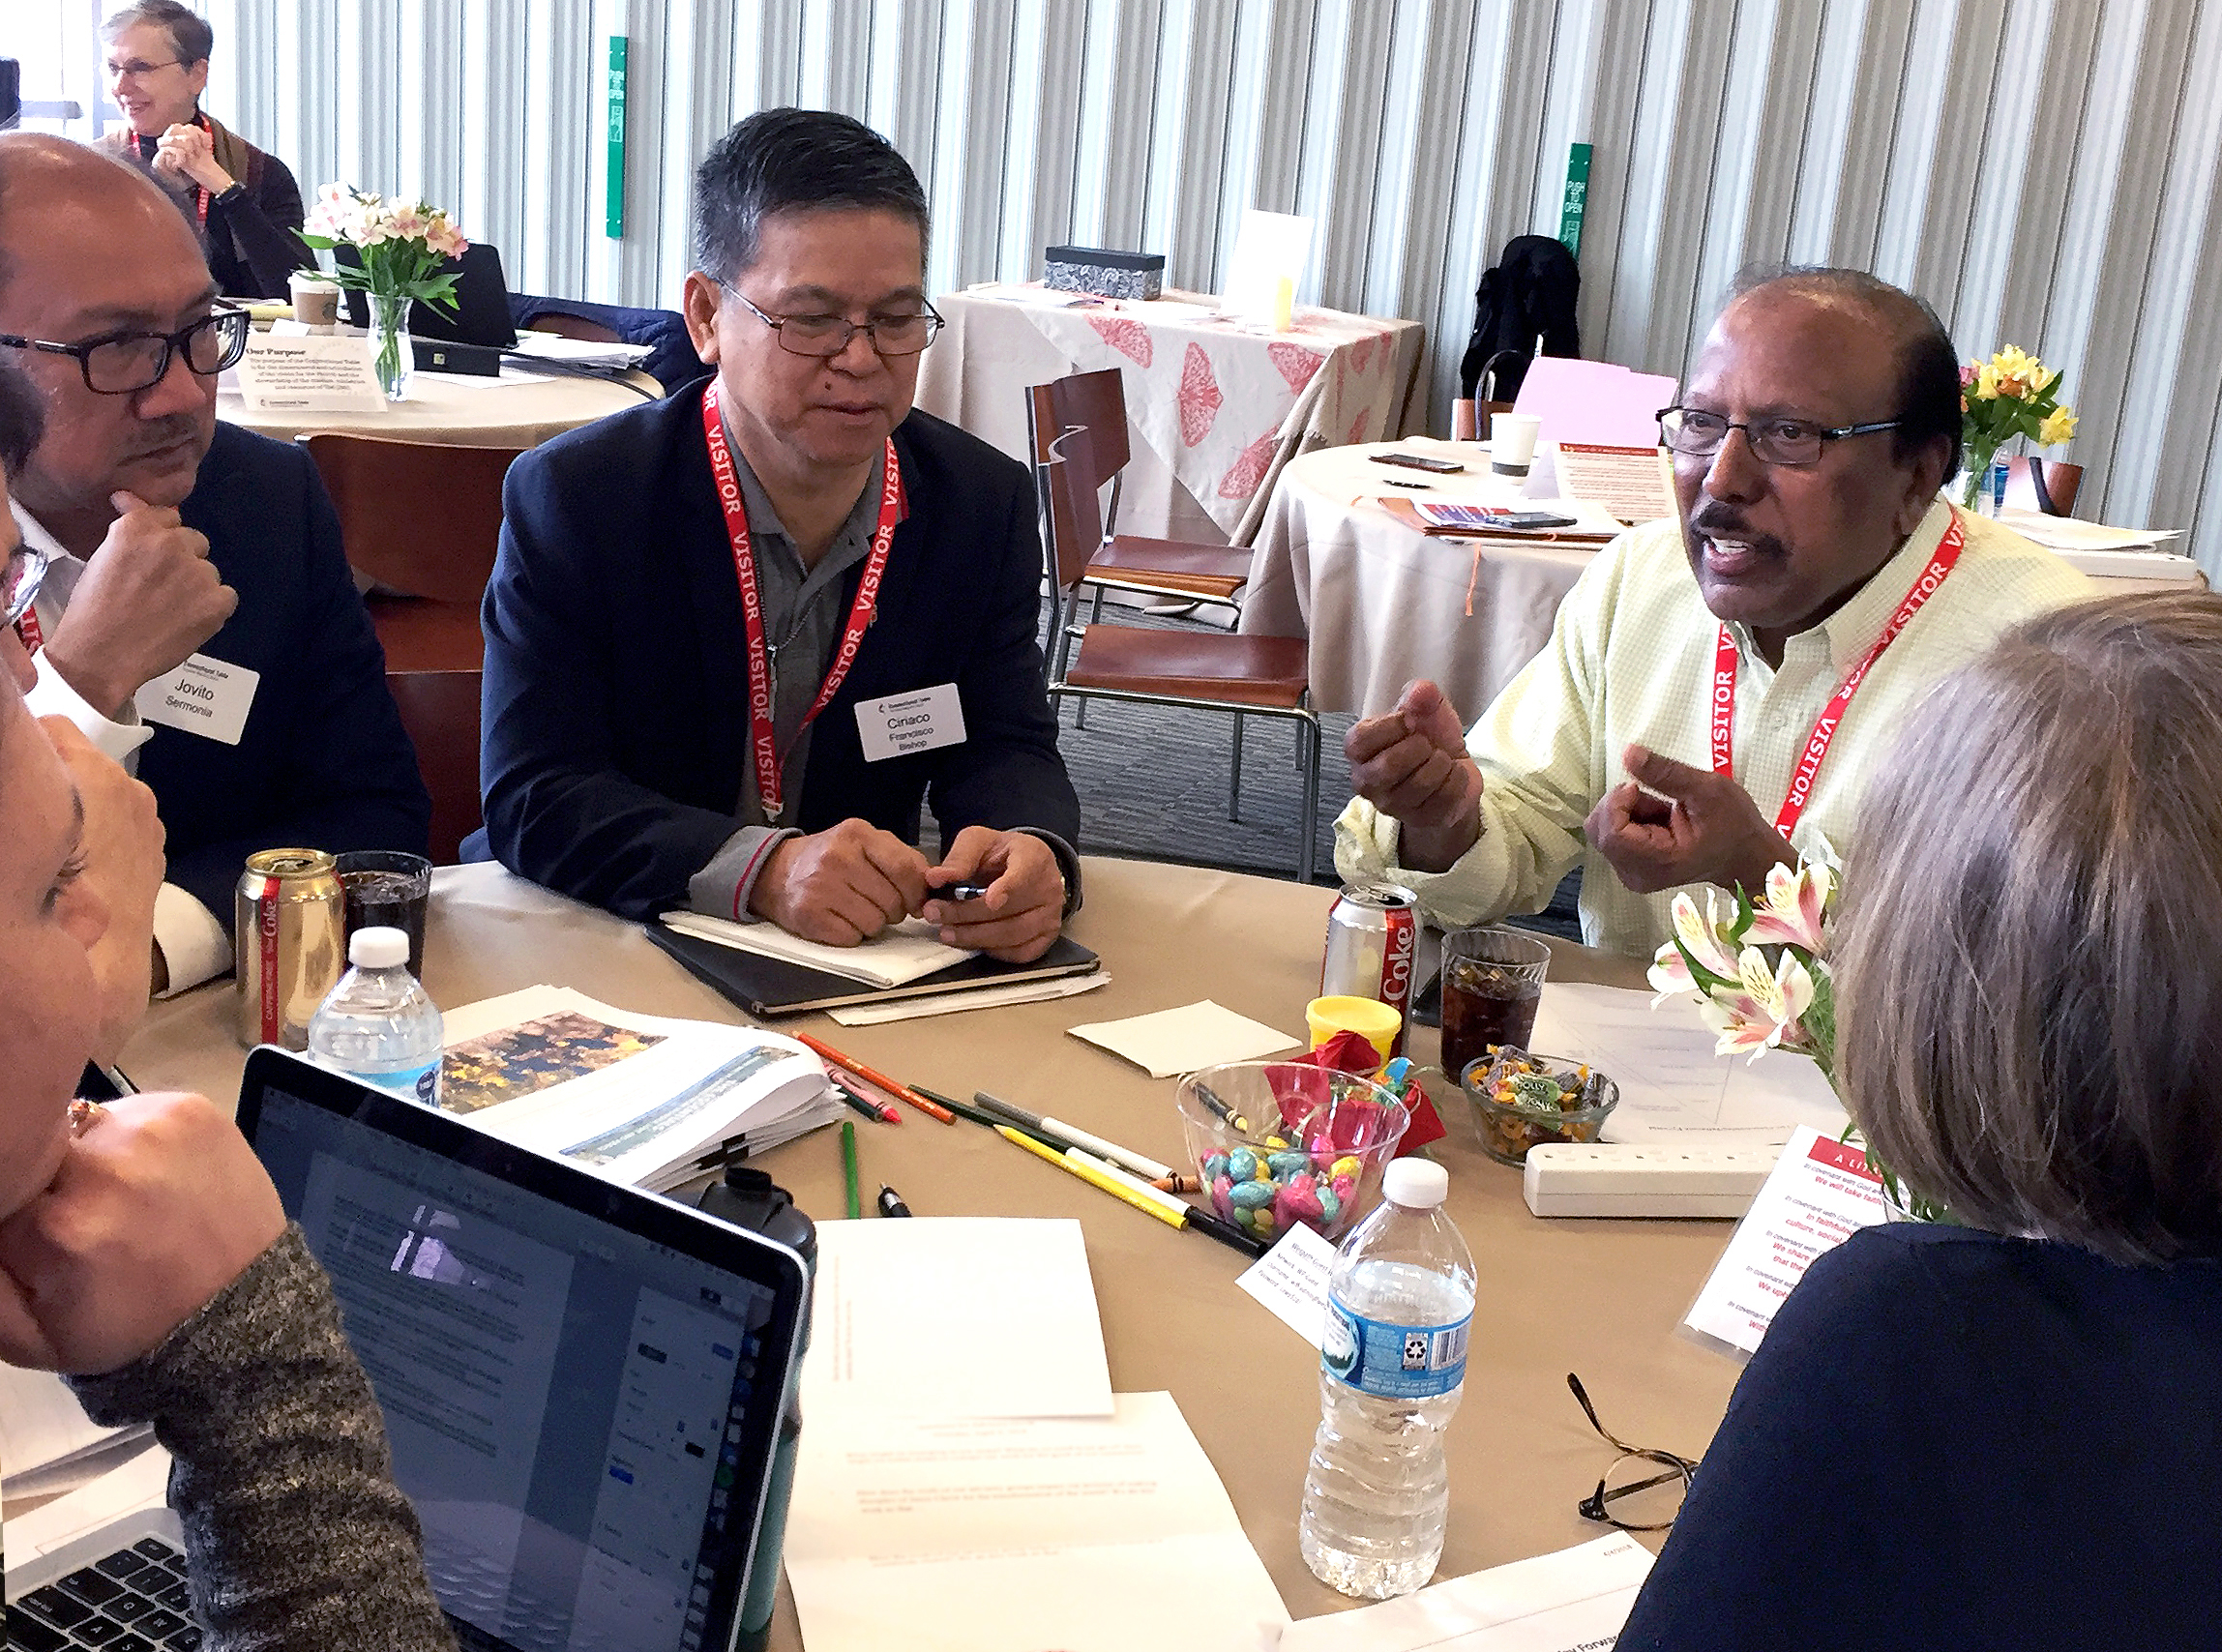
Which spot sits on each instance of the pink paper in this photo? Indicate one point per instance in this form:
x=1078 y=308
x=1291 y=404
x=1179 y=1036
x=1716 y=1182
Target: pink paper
x=1594 y=402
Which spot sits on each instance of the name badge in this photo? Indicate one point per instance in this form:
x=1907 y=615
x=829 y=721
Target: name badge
x=903 y=724
x=205 y=698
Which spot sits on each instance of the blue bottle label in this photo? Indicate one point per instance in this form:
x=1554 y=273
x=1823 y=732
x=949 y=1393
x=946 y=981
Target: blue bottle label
x=1394 y=1362
x=410 y=1083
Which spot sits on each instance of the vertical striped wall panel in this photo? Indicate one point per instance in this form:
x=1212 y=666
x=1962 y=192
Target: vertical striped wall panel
x=2046 y=172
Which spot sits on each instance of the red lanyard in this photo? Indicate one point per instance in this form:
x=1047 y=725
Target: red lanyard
x=27 y=627
x=201 y=194
x=1724 y=686
x=762 y=737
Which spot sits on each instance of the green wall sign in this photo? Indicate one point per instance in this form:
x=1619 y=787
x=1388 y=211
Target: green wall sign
x=614 y=224
x=1577 y=197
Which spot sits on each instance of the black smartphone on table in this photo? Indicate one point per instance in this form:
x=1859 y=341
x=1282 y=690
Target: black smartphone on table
x=1420 y=462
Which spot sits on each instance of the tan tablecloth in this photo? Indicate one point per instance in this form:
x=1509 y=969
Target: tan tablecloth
x=1215 y=412
x=1600 y=1298
x=518 y=412
x=1380 y=602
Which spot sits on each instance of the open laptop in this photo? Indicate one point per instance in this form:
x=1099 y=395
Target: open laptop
x=583 y=1383
x=481 y=315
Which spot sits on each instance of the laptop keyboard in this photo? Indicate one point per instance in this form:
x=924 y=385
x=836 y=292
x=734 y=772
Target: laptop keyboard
x=135 y=1600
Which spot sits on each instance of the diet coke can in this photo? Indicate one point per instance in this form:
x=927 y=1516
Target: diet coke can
x=292 y=943
x=1372 y=934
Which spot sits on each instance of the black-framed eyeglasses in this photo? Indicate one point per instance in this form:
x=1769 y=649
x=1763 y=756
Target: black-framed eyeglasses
x=827 y=335
x=1643 y=1489
x=1792 y=443
x=24 y=571
x=122 y=364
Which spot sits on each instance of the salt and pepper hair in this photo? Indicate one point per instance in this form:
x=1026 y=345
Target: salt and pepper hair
x=2030 y=971
x=23 y=419
x=190 y=35
x=1928 y=405
x=794 y=160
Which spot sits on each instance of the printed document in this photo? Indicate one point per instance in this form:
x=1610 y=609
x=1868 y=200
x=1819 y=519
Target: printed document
x=956 y=1317
x=1573 y=1601
x=1673 y=1086
x=1820 y=1191
x=1090 y=1535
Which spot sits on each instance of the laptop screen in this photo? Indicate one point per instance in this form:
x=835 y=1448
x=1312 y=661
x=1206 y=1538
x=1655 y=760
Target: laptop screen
x=581 y=1413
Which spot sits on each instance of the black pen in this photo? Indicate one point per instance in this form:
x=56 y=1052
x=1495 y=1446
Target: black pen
x=1226 y=1232
x=891 y=1202
x=965 y=892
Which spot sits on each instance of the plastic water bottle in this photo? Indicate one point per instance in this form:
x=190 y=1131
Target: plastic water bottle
x=378 y=1026
x=1393 y=1370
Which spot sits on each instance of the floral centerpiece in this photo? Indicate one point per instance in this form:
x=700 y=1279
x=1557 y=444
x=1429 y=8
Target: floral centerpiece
x=403 y=252
x=1761 y=974
x=2011 y=395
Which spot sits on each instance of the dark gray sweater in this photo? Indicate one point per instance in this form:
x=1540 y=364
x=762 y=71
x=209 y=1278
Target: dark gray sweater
x=295 y=1535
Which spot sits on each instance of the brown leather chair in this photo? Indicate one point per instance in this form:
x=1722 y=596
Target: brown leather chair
x=440 y=710
x=1265 y=676
x=2043 y=485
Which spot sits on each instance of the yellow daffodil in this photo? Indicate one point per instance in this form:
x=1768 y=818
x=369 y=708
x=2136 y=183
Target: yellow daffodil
x=2058 y=427
x=1987 y=382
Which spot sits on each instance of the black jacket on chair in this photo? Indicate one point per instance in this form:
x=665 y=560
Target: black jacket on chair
x=323 y=762
x=616 y=722
x=1530 y=294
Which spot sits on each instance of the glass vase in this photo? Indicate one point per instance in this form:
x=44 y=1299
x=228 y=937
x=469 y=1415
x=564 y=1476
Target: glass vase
x=393 y=360
x=1984 y=486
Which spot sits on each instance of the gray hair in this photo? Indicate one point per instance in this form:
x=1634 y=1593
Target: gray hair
x=2029 y=987
x=190 y=35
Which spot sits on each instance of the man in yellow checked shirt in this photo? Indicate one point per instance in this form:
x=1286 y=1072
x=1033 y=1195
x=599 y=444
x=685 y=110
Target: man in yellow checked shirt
x=1718 y=686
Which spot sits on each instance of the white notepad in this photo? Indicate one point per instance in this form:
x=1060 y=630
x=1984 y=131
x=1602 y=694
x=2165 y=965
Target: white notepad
x=896 y=957
x=1194 y=1036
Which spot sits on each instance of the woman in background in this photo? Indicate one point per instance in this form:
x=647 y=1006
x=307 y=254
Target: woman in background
x=2007 y=1433
x=140 y=1240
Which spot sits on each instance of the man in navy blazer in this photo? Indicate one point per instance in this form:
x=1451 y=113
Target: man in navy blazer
x=737 y=638
x=198 y=616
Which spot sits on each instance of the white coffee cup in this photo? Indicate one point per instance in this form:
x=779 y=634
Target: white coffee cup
x=316 y=300
x=1512 y=442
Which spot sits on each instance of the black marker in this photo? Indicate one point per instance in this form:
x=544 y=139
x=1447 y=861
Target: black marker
x=891 y=1202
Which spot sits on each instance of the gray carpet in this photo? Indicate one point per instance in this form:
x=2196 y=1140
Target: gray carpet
x=1153 y=786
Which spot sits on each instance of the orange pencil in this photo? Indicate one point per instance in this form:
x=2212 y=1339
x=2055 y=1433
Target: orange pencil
x=900 y=1092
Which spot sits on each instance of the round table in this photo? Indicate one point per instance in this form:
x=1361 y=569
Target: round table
x=517 y=410
x=1382 y=602
x=1599 y=1298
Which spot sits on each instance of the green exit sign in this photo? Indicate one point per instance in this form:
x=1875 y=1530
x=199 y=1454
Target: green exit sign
x=614 y=221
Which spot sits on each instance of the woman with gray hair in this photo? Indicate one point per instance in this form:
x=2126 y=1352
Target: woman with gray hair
x=2008 y=1431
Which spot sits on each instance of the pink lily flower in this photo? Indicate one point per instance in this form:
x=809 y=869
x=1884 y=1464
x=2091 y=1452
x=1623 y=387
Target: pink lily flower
x=1700 y=932
x=1795 y=908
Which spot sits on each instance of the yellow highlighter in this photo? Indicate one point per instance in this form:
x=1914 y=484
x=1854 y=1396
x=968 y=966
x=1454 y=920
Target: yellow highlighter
x=1092 y=1176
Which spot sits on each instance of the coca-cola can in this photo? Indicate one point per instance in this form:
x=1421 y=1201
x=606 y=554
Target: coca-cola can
x=291 y=943
x=1373 y=938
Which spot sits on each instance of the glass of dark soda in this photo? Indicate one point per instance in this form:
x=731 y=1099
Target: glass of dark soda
x=388 y=889
x=1492 y=983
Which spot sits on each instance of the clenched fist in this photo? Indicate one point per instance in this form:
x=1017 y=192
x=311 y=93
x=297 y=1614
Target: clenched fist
x=841 y=886
x=149 y=597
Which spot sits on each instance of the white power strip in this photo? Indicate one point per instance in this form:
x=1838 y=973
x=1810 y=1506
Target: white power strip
x=1565 y=1178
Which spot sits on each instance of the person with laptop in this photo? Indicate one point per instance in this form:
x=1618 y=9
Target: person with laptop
x=242 y=202
x=143 y=1249
x=198 y=619
x=737 y=638
x=1718 y=687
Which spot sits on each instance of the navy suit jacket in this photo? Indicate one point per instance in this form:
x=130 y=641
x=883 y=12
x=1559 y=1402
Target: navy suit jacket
x=323 y=762
x=616 y=716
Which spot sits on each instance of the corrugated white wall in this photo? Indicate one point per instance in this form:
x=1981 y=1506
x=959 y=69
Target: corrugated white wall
x=2046 y=172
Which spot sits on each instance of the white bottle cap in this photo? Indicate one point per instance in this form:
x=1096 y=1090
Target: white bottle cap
x=1416 y=1183
x=378 y=948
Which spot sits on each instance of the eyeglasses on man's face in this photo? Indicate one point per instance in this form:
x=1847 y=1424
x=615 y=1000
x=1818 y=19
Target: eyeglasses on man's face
x=1790 y=443
x=825 y=336
x=24 y=571
x=1643 y=1489
x=122 y=364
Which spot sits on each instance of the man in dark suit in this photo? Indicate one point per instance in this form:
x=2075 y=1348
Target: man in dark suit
x=736 y=637
x=197 y=617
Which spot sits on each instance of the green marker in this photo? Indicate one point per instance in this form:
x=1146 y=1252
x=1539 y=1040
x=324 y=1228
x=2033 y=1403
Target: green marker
x=849 y=1168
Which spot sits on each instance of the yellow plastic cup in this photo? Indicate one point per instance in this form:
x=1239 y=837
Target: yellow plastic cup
x=1370 y=1018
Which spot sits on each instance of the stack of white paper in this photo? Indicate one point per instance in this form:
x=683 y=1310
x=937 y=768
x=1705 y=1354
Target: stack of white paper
x=896 y=957
x=1573 y=1601
x=580 y=352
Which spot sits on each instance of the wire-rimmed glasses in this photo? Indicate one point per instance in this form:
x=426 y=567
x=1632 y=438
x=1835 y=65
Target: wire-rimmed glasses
x=827 y=335
x=1792 y=443
x=24 y=571
x=1643 y=1489
x=123 y=364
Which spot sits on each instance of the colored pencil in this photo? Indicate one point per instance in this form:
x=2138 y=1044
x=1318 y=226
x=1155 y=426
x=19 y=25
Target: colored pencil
x=849 y=1169
x=879 y=1112
x=900 y=1092
x=1072 y=1135
x=1094 y=1179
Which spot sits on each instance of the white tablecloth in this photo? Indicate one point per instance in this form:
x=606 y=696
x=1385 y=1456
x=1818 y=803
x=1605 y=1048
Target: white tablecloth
x=1215 y=411
x=517 y=410
x=1383 y=603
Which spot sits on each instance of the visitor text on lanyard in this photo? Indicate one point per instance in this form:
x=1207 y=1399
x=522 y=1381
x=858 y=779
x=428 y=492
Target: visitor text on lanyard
x=762 y=742
x=1724 y=686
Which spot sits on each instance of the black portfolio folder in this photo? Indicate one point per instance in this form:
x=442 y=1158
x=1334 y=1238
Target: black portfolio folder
x=772 y=987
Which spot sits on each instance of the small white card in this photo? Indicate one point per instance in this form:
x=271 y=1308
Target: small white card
x=1291 y=1282
x=923 y=720
x=328 y=374
x=205 y=697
